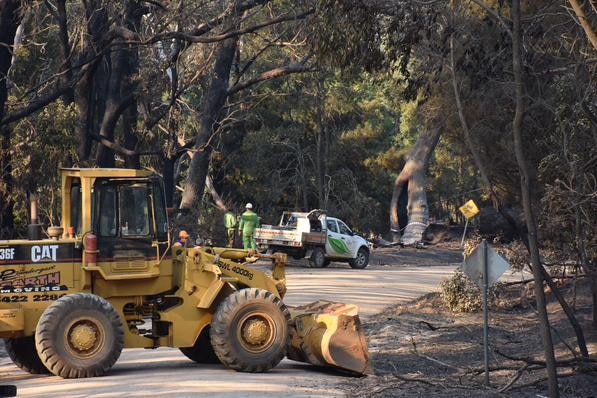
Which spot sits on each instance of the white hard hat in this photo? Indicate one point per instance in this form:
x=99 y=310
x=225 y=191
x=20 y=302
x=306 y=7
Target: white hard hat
x=249 y=206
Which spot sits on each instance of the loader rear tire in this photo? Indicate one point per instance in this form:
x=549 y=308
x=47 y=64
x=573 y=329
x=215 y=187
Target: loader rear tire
x=249 y=331
x=202 y=351
x=23 y=354
x=79 y=335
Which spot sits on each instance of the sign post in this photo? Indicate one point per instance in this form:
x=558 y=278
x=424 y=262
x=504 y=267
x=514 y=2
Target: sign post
x=468 y=210
x=484 y=266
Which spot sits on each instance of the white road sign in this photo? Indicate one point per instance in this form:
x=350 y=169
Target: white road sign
x=473 y=265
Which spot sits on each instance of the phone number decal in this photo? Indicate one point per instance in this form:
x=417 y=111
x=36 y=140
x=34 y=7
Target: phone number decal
x=36 y=297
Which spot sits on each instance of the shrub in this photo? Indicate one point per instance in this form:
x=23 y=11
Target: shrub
x=460 y=294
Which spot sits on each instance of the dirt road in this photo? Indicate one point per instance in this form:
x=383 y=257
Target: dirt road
x=395 y=275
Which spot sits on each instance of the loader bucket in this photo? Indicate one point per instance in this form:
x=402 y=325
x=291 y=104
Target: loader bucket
x=329 y=334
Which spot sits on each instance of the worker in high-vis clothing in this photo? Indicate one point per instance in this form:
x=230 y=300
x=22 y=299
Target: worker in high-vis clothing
x=230 y=225
x=183 y=239
x=248 y=222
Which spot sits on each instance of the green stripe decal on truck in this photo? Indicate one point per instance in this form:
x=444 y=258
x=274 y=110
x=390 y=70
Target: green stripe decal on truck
x=338 y=245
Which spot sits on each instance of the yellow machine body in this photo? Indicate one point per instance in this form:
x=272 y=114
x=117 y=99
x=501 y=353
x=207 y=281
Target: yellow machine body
x=132 y=265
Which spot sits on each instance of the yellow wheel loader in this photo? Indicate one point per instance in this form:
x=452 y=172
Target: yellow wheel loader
x=108 y=278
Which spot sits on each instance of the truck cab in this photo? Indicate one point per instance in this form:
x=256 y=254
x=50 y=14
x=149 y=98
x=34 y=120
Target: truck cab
x=344 y=245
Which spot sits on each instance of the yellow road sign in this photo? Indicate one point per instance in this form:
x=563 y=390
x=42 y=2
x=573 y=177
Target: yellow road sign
x=469 y=209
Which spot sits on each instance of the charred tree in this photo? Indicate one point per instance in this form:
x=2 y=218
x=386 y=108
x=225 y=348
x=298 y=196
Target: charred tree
x=527 y=200
x=209 y=121
x=10 y=18
x=412 y=180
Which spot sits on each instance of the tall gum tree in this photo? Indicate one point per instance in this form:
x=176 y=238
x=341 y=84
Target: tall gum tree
x=10 y=17
x=413 y=179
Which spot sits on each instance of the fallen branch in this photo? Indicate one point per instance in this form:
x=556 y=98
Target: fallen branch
x=515 y=378
x=561 y=363
x=447 y=365
x=542 y=379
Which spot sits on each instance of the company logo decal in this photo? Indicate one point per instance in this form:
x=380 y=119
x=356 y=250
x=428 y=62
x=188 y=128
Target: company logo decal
x=43 y=253
x=338 y=245
x=12 y=281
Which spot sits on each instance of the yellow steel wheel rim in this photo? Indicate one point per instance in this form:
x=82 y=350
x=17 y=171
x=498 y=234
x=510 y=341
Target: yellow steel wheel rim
x=256 y=332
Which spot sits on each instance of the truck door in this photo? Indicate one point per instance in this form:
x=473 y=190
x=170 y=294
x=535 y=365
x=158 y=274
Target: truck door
x=348 y=236
x=337 y=244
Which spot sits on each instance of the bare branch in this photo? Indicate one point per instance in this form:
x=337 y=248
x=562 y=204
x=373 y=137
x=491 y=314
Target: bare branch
x=505 y=22
x=584 y=22
x=131 y=37
x=269 y=75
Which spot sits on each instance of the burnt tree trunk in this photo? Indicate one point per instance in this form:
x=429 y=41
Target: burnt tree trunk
x=9 y=21
x=120 y=98
x=412 y=179
x=321 y=141
x=66 y=68
x=473 y=147
x=131 y=69
x=527 y=201
x=209 y=120
x=86 y=89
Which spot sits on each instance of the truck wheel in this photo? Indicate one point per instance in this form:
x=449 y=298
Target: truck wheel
x=250 y=330
x=202 y=351
x=79 y=335
x=317 y=259
x=361 y=260
x=23 y=354
x=326 y=262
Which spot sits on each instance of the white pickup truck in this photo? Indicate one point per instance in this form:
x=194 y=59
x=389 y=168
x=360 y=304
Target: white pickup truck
x=314 y=235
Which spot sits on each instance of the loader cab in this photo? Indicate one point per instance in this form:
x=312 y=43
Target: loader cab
x=129 y=219
x=126 y=211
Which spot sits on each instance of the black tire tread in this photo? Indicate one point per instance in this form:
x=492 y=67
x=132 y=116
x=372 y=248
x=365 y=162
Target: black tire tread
x=23 y=354
x=202 y=351
x=312 y=259
x=220 y=330
x=352 y=262
x=44 y=335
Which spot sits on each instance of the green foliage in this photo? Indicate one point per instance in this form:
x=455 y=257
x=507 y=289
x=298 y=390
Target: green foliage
x=41 y=145
x=460 y=294
x=351 y=118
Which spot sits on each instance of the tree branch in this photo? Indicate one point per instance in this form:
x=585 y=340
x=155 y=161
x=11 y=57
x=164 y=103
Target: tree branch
x=269 y=75
x=501 y=19
x=130 y=37
x=584 y=22
x=37 y=105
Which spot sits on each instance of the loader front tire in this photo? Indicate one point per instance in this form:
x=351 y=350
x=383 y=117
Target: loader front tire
x=202 y=351
x=23 y=354
x=79 y=335
x=249 y=331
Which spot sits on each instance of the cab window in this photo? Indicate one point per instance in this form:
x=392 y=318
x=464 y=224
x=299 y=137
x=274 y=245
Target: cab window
x=134 y=210
x=161 y=218
x=344 y=230
x=76 y=206
x=331 y=224
x=107 y=211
